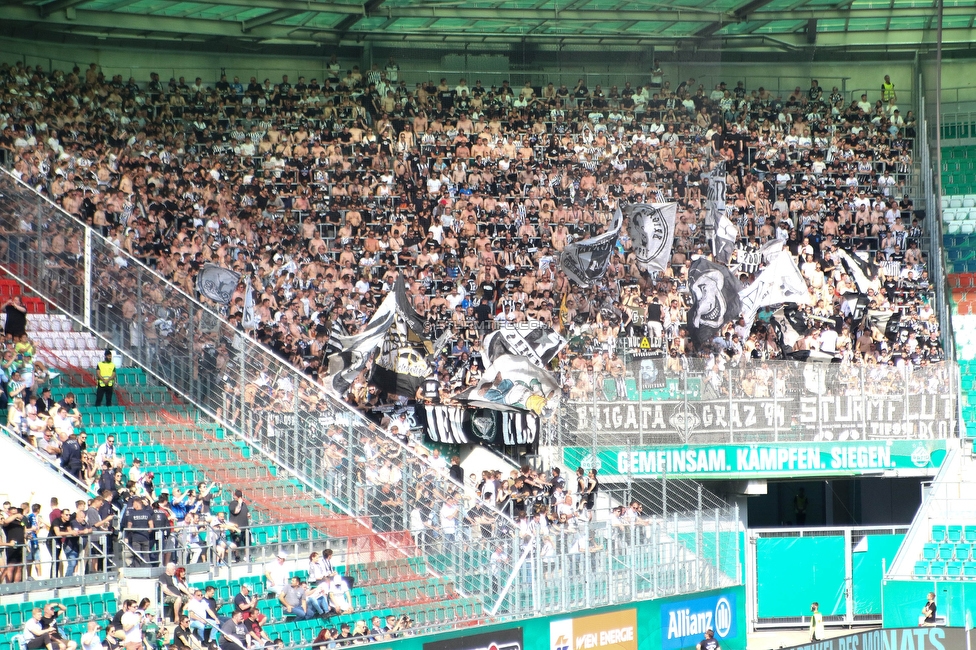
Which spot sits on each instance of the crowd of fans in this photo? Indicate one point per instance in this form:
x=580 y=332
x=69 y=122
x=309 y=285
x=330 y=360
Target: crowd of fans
x=324 y=192
x=128 y=522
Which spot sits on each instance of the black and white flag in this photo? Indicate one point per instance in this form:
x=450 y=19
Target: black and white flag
x=337 y=332
x=725 y=238
x=217 y=283
x=771 y=249
x=249 y=319
x=512 y=382
x=533 y=340
x=714 y=299
x=396 y=313
x=863 y=272
x=780 y=282
x=715 y=199
x=585 y=261
x=651 y=230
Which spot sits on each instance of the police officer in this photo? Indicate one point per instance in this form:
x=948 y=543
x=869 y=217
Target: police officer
x=105 y=380
x=709 y=642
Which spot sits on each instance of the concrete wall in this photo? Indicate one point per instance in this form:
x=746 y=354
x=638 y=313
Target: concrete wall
x=422 y=64
x=26 y=477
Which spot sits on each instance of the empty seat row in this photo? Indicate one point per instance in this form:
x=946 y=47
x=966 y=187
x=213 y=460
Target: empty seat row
x=954 y=533
x=940 y=569
x=947 y=551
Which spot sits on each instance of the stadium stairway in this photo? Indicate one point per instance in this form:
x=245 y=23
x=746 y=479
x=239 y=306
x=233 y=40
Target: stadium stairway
x=175 y=440
x=178 y=444
x=394 y=587
x=959 y=243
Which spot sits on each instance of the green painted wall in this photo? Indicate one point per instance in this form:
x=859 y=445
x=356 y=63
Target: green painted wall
x=903 y=600
x=652 y=629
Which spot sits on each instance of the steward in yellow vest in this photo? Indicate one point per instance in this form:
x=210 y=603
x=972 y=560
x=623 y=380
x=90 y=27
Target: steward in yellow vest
x=105 y=380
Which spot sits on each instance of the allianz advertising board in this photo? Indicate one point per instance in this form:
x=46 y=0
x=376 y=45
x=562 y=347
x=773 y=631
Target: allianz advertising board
x=684 y=621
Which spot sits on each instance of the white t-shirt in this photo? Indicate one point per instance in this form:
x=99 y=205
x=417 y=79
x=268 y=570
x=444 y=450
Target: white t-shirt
x=449 y=518
x=279 y=575
x=134 y=635
x=198 y=607
x=91 y=641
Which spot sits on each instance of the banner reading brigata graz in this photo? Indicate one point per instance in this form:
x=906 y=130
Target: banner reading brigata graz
x=797 y=460
x=758 y=402
x=800 y=418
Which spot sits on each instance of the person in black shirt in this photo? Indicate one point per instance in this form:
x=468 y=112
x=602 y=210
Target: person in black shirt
x=138 y=527
x=239 y=516
x=16 y=324
x=14 y=532
x=183 y=635
x=928 y=618
x=709 y=642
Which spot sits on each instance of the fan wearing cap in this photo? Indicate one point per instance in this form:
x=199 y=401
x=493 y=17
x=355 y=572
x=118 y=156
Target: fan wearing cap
x=276 y=574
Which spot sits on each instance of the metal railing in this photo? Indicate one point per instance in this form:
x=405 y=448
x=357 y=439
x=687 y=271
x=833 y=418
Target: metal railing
x=269 y=402
x=774 y=401
x=272 y=405
x=545 y=570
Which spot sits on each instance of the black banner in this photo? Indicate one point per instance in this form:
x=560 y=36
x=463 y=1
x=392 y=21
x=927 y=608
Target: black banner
x=499 y=640
x=456 y=425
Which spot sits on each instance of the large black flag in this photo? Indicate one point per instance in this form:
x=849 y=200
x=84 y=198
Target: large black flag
x=862 y=271
x=585 y=262
x=714 y=300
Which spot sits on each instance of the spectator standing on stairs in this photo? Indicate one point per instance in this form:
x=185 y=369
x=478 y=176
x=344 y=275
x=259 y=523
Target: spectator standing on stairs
x=16 y=324
x=240 y=516
x=105 y=379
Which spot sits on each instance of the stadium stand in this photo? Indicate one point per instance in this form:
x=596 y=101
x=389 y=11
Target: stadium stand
x=325 y=206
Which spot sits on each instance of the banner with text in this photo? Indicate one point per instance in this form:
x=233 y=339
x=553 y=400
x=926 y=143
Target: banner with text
x=458 y=425
x=812 y=417
x=916 y=638
x=794 y=460
x=613 y=630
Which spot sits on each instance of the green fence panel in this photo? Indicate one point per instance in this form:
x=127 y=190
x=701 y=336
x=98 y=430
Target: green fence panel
x=792 y=572
x=878 y=551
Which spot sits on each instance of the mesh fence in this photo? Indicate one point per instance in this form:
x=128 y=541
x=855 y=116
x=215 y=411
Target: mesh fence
x=332 y=448
x=780 y=401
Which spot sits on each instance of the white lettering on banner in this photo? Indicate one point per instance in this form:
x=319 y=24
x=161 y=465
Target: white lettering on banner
x=873 y=457
x=604 y=638
x=445 y=424
x=684 y=623
x=918 y=416
x=672 y=461
x=712 y=460
x=519 y=428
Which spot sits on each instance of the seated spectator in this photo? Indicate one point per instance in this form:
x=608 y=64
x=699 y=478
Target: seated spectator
x=294 y=601
x=233 y=633
x=244 y=602
x=339 y=599
x=201 y=615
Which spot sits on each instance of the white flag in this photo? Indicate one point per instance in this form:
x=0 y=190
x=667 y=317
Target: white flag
x=651 y=229
x=780 y=282
x=725 y=238
x=249 y=319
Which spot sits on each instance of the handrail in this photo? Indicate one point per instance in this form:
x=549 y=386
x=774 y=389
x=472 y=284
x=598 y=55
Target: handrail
x=48 y=463
x=256 y=353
